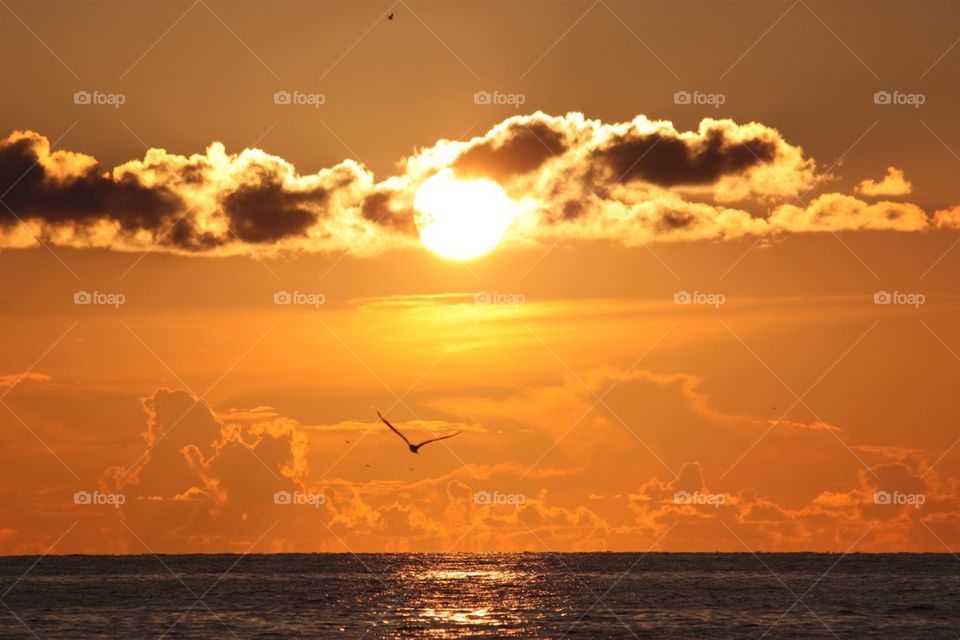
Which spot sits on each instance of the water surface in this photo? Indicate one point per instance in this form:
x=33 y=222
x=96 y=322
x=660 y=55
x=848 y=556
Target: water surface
x=589 y=595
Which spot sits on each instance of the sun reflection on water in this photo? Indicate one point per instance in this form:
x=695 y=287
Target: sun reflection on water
x=448 y=600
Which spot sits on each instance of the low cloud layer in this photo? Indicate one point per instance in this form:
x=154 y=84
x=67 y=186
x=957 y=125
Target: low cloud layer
x=573 y=178
x=204 y=481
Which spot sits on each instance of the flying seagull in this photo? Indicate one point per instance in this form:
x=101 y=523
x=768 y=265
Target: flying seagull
x=414 y=448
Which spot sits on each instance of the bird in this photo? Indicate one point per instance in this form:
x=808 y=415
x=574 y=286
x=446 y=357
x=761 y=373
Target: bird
x=414 y=448
x=390 y=17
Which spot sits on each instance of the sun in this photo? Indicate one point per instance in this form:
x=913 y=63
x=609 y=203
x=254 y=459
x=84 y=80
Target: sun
x=462 y=219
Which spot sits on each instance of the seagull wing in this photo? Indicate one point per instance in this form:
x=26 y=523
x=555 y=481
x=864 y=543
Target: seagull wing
x=437 y=439
x=393 y=428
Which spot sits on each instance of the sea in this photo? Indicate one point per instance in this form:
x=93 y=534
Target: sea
x=467 y=595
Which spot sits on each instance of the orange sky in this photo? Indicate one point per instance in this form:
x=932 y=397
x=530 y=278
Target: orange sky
x=779 y=410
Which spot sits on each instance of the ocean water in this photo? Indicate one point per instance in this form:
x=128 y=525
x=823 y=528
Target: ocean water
x=589 y=595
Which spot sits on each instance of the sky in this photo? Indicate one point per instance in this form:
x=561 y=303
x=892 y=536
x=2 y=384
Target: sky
x=683 y=275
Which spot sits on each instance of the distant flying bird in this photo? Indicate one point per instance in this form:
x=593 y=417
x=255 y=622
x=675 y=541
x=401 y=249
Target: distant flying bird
x=414 y=448
x=390 y=17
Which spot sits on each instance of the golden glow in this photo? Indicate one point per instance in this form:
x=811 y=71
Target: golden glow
x=462 y=219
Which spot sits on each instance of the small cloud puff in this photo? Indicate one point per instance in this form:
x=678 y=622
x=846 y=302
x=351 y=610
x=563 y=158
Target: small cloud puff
x=892 y=184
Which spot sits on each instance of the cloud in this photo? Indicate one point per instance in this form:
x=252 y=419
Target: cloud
x=732 y=161
x=192 y=453
x=415 y=429
x=207 y=482
x=892 y=184
x=213 y=203
x=837 y=212
x=61 y=188
x=947 y=218
x=833 y=518
x=656 y=153
x=10 y=380
x=516 y=150
x=573 y=178
x=570 y=402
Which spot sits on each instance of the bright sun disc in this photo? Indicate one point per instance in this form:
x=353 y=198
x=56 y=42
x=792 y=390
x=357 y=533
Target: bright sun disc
x=461 y=219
